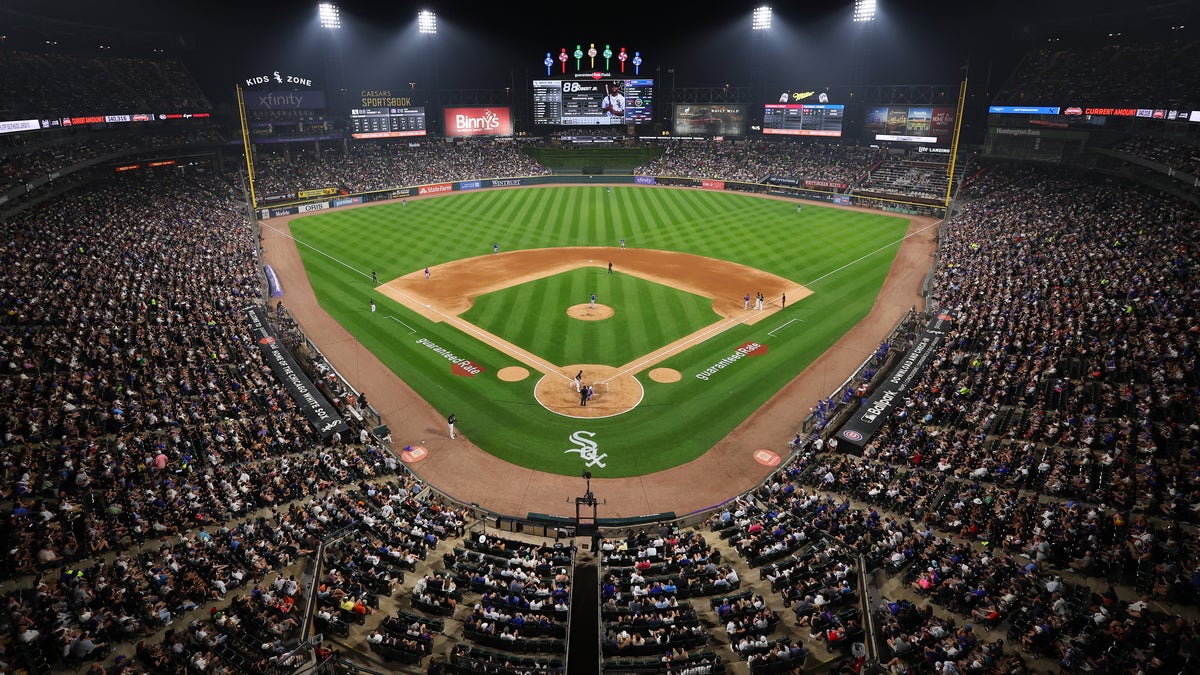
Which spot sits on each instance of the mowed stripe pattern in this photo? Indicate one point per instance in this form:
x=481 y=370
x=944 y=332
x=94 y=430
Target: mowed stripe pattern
x=647 y=316
x=763 y=233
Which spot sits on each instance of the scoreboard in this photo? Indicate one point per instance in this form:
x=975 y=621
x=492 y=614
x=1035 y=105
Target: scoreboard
x=387 y=122
x=801 y=119
x=580 y=102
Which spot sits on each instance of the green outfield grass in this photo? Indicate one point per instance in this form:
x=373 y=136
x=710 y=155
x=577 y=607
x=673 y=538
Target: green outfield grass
x=842 y=255
x=533 y=315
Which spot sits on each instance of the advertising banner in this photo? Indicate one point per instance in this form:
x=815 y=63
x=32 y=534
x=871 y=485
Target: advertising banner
x=285 y=100
x=890 y=394
x=321 y=192
x=484 y=121
x=319 y=411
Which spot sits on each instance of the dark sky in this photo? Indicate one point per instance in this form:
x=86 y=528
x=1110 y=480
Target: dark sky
x=813 y=44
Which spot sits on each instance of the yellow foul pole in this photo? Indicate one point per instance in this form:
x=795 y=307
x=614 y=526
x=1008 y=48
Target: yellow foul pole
x=962 y=100
x=246 y=145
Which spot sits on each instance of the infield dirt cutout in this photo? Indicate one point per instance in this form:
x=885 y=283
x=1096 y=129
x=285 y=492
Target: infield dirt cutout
x=452 y=289
x=512 y=374
x=665 y=375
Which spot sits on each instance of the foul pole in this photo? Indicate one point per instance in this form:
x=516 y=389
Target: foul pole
x=246 y=145
x=958 y=115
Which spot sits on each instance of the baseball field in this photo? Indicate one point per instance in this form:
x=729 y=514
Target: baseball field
x=674 y=358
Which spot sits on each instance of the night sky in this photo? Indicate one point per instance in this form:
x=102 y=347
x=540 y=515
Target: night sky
x=813 y=44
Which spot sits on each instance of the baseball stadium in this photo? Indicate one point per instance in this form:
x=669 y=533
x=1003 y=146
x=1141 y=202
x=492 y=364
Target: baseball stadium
x=852 y=338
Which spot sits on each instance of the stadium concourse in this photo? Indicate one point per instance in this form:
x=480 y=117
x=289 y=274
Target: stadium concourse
x=1033 y=506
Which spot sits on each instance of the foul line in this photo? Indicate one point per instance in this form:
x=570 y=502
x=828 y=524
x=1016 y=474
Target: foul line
x=772 y=333
x=808 y=284
x=411 y=330
x=697 y=338
x=291 y=236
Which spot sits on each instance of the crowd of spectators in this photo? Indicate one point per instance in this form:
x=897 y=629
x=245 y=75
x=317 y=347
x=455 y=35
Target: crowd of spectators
x=1181 y=156
x=53 y=84
x=1162 y=74
x=138 y=410
x=379 y=166
x=1054 y=433
x=756 y=160
x=27 y=158
x=906 y=178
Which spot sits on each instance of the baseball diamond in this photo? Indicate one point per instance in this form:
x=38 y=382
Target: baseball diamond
x=648 y=428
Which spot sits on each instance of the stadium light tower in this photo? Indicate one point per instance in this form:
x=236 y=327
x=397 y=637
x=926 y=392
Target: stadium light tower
x=330 y=16
x=864 y=10
x=762 y=18
x=427 y=22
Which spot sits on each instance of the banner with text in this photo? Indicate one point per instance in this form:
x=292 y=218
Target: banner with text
x=890 y=394
x=319 y=411
x=488 y=121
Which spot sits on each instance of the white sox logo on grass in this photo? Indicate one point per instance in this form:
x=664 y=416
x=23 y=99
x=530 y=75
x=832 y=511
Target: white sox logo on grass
x=460 y=366
x=587 y=448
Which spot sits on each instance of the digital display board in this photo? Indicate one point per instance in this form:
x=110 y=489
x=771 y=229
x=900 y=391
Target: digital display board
x=595 y=101
x=476 y=121
x=910 y=124
x=804 y=119
x=709 y=119
x=387 y=122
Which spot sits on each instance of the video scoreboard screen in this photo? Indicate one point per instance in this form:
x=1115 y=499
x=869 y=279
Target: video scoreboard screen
x=592 y=102
x=709 y=119
x=387 y=122
x=910 y=124
x=804 y=119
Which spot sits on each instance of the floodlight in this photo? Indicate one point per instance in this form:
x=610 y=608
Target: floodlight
x=329 y=15
x=864 y=10
x=426 y=22
x=762 y=18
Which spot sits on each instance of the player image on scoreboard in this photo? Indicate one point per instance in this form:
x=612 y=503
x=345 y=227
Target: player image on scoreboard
x=613 y=103
x=593 y=102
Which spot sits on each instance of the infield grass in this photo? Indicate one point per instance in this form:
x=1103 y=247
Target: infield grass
x=842 y=255
x=533 y=315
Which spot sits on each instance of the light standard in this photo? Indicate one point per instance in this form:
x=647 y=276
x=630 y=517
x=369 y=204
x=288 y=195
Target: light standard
x=760 y=24
x=427 y=29
x=330 y=18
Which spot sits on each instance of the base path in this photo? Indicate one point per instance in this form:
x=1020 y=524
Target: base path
x=467 y=473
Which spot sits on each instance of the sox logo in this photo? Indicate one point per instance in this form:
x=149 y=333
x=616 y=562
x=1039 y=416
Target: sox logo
x=587 y=448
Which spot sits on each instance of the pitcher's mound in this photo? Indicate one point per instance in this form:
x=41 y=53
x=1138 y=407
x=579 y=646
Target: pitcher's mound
x=586 y=312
